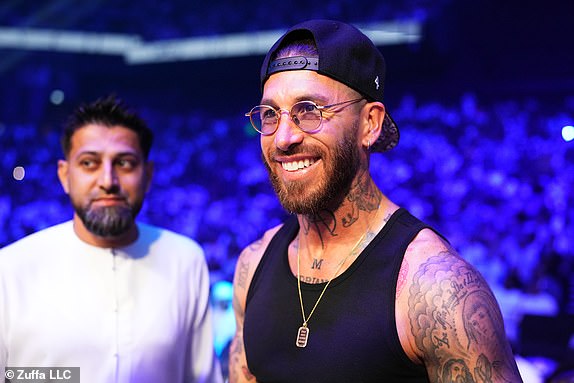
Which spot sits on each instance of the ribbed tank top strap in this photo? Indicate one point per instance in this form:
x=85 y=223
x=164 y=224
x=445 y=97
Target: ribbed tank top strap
x=275 y=254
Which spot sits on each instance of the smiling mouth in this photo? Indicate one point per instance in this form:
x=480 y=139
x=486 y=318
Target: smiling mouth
x=297 y=165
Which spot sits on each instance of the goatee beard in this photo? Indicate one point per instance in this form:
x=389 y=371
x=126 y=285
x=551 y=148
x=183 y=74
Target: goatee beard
x=326 y=194
x=107 y=222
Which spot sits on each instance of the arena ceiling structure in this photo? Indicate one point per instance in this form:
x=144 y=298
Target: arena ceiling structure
x=205 y=53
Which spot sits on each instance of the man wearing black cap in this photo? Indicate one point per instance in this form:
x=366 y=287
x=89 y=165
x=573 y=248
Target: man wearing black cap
x=350 y=288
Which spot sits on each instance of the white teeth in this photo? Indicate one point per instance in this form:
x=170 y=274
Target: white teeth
x=296 y=165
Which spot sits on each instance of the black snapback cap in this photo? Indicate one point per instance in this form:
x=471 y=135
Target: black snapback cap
x=346 y=55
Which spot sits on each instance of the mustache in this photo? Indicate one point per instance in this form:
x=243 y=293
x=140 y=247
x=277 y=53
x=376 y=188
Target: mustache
x=297 y=149
x=108 y=195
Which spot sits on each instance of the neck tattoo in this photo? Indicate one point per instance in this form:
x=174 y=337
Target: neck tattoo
x=303 y=332
x=316 y=263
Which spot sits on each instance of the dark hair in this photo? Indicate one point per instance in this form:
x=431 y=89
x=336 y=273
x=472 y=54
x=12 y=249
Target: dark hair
x=301 y=44
x=109 y=111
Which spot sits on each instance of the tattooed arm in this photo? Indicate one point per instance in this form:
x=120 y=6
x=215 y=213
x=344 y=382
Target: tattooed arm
x=246 y=265
x=448 y=319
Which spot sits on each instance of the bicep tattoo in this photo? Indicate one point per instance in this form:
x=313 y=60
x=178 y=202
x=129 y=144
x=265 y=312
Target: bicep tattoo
x=456 y=322
x=242 y=274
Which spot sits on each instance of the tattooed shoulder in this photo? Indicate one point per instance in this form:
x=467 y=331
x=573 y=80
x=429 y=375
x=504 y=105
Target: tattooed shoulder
x=455 y=320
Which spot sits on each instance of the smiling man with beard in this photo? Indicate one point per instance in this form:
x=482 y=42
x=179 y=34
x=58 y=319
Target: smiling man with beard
x=351 y=287
x=121 y=300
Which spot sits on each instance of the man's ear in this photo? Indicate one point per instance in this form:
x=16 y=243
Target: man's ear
x=63 y=174
x=373 y=115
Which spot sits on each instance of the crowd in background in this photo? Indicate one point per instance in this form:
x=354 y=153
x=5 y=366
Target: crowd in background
x=496 y=178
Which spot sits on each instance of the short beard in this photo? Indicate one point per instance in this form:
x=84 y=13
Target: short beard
x=330 y=191
x=107 y=222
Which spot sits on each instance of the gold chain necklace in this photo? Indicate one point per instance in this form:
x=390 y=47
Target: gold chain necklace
x=303 y=332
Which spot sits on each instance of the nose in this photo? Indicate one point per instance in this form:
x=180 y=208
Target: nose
x=108 y=178
x=288 y=133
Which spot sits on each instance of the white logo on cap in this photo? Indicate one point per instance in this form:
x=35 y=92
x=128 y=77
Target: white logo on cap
x=377 y=82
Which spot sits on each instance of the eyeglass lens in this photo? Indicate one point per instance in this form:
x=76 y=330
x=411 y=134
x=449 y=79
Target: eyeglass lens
x=304 y=114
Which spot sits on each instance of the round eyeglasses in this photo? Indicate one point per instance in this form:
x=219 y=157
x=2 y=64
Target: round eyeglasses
x=305 y=114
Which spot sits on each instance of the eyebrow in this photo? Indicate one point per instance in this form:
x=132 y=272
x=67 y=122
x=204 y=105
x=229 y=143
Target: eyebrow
x=315 y=97
x=99 y=154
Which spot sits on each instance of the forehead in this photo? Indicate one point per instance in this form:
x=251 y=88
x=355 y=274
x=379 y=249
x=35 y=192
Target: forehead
x=96 y=138
x=303 y=84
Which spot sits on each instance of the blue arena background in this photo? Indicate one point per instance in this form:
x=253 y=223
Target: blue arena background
x=484 y=99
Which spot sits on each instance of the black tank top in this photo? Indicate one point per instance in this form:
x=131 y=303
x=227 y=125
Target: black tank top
x=352 y=333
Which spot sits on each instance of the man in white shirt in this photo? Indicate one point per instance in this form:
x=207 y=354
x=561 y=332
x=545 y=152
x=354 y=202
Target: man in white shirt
x=121 y=300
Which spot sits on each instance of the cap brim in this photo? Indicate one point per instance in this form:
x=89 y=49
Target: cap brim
x=389 y=137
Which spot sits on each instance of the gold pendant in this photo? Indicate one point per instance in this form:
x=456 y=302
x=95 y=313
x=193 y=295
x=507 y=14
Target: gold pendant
x=302 y=336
